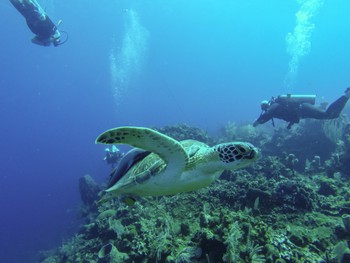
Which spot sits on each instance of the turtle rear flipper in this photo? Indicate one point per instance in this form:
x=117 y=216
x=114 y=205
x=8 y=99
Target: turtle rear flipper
x=128 y=160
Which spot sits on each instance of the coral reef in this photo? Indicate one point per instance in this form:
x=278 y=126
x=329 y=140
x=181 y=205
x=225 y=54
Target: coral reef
x=292 y=206
x=89 y=191
x=184 y=132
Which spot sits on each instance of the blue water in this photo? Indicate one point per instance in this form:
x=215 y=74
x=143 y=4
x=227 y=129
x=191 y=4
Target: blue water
x=147 y=63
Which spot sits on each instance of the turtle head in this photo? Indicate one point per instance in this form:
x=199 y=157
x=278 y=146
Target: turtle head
x=234 y=155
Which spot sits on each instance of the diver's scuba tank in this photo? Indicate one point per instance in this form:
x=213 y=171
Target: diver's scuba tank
x=289 y=98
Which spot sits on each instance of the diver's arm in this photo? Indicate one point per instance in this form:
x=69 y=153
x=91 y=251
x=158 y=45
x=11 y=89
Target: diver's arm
x=290 y=124
x=267 y=115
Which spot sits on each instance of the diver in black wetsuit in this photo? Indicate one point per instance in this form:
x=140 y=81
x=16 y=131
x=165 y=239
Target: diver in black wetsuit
x=38 y=22
x=292 y=108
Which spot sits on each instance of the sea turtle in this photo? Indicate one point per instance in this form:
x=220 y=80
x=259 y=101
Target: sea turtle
x=165 y=166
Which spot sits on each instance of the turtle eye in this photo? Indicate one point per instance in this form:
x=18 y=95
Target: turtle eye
x=251 y=155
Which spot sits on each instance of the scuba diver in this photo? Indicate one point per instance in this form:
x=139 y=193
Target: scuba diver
x=292 y=108
x=39 y=23
x=113 y=156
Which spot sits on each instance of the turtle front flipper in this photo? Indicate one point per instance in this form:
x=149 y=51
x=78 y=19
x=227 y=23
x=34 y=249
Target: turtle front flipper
x=170 y=150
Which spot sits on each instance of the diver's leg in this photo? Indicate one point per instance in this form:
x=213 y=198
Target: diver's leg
x=334 y=110
x=16 y=2
x=40 y=11
x=308 y=110
x=37 y=9
x=30 y=9
x=19 y=5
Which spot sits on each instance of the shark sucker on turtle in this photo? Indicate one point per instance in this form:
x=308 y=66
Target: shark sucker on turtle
x=160 y=165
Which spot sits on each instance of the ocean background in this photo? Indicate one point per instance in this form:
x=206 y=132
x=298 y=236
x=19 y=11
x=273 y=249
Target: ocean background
x=146 y=63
